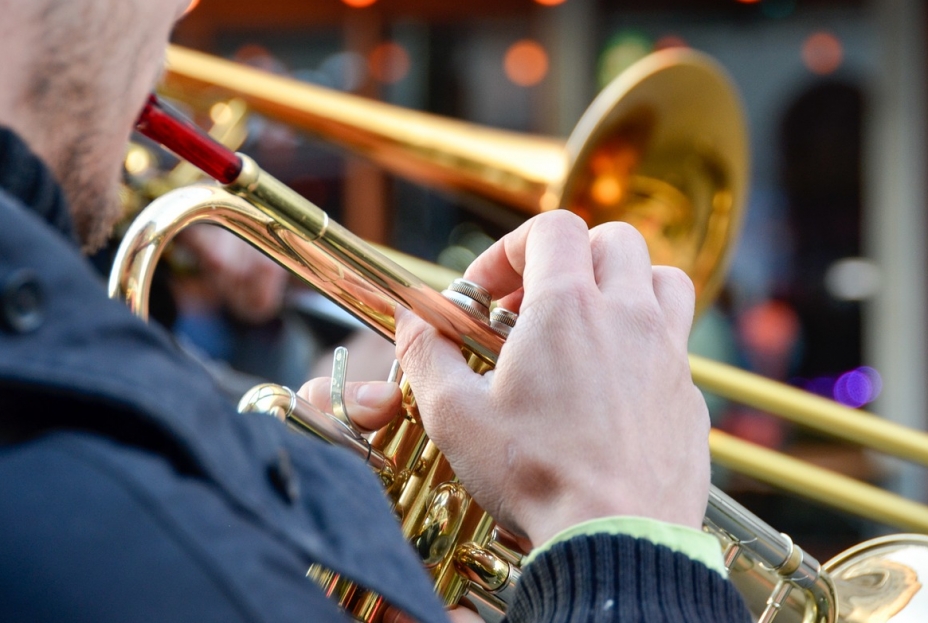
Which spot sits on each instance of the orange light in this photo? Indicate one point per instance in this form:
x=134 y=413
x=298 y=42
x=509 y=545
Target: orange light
x=359 y=4
x=607 y=190
x=670 y=41
x=526 y=63
x=388 y=62
x=822 y=53
x=550 y=2
x=193 y=4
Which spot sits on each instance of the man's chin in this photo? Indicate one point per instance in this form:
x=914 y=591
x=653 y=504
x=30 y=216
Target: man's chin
x=95 y=225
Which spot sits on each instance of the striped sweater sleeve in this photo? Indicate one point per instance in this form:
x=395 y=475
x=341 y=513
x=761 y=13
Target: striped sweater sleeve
x=617 y=578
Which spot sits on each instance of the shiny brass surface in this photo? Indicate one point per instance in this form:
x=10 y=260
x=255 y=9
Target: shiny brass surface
x=409 y=464
x=302 y=238
x=817 y=484
x=438 y=531
x=433 y=511
x=663 y=147
x=880 y=581
x=481 y=566
x=778 y=579
x=810 y=410
x=665 y=140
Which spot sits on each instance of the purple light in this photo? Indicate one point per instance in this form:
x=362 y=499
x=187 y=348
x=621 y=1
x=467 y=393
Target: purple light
x=876 y=381
x=858 y=387
x=853 y=389
x=823 y=386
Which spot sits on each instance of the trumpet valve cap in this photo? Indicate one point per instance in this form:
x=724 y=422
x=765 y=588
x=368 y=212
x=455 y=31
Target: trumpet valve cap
x=502 y=320
x=470 y=297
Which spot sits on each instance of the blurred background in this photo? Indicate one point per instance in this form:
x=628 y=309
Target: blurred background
x=827 y=288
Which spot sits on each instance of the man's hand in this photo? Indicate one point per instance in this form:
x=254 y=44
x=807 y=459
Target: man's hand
x=591 y=410
x=371 y=405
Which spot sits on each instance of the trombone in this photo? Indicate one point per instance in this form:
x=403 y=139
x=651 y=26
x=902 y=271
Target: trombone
x=677 y=171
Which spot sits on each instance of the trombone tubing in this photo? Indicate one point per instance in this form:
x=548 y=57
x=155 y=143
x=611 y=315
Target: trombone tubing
x=810 y=410
x=817 y=484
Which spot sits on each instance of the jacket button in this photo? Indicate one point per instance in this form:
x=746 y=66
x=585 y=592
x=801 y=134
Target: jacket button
x=21 y=301
x=284 y=478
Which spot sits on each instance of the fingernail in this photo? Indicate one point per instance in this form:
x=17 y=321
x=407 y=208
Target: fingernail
x=376 y=394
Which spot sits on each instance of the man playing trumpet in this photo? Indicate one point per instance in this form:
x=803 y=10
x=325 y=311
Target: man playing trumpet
x=132 y=490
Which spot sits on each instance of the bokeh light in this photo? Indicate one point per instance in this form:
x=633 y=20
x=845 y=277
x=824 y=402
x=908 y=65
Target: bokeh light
x=747 y=1
x=822 y=53
x=359 y=4
x=853 y=279
x=770 y=328
x=138 y=160
x=256 y=55
x=550 y=2
x=388 y=62
x=221 y=113
x=858 y=387
x=526 y=63
x=855 y=388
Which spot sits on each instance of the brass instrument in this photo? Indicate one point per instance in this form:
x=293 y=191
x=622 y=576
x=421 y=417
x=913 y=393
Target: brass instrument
x=468 y=555
x=671 y=126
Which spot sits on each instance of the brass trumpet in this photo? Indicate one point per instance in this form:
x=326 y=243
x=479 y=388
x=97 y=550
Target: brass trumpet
x=466 y=553
x=662 y=147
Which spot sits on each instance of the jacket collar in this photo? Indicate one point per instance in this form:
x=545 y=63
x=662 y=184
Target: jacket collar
x=24 y=176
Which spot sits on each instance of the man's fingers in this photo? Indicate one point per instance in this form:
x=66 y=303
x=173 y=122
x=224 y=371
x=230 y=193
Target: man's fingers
x=676 y=297
x=555 y=246
x=513 y=301
x=370 y=405
x=426 y=356
x=621 y=261
x=430 y=360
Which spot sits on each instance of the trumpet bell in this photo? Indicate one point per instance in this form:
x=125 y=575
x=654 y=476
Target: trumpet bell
x=879 y=581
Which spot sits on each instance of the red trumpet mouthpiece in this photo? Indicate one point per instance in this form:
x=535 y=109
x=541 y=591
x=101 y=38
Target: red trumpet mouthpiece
x=171 y=130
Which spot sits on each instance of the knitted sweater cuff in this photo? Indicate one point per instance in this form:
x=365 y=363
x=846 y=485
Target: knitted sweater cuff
x=605 y=577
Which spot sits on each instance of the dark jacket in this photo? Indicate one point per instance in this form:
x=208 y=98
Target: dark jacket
x=130 y=490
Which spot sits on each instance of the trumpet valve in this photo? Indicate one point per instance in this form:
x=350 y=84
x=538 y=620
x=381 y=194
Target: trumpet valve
x=503 y=321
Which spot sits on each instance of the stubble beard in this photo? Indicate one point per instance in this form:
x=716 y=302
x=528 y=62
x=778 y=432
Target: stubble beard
x=81 y=118
x=91 y=189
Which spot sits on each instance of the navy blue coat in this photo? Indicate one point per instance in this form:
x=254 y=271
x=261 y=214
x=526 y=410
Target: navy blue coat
x=129 y=488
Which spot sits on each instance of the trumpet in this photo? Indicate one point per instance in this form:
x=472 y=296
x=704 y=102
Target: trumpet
x=468 y=555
